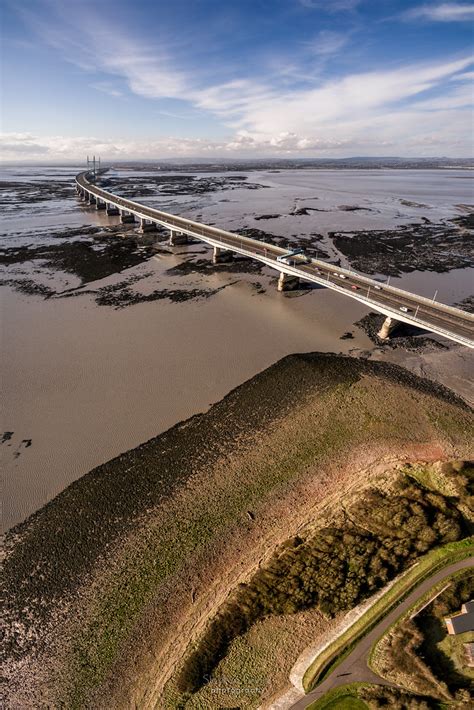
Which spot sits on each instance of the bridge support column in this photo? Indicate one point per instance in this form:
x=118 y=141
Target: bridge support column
x=146 y=226
x=219 y=255
x=92 y=199
x=111 y=210
x=100 y=205
x=177 y=238
x=126 y=217
x=387 y=328
x=287 y=282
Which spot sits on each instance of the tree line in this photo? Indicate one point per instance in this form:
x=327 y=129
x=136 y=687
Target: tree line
x=334 y=569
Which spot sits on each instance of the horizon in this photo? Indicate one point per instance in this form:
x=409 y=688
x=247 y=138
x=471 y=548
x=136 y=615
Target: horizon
x=195 y=161
x=266 y=80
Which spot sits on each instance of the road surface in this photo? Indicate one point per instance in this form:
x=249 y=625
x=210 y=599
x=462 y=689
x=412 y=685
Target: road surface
x=421 y=312
x=354 y=668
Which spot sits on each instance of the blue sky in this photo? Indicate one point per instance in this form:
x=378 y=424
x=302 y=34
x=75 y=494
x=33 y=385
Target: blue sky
x=135 y=79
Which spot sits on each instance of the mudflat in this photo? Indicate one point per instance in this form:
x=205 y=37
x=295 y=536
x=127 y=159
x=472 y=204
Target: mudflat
x=111 y=337
x=109 y=584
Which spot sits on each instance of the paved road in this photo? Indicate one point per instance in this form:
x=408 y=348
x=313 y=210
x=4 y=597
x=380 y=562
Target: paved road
x=354 y=667
x=451 y=322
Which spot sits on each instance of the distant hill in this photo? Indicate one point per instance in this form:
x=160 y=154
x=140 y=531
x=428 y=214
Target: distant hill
x=357 y=162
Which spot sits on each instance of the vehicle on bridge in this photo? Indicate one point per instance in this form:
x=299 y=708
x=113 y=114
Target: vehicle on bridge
x=447 y=321
x=285 y=258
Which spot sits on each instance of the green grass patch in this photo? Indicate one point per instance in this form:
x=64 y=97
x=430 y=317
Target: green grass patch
x=167 y=548
x=451 y=641
x=428 y=565
x=417 y=652
x=343 y=698
x=315 y=433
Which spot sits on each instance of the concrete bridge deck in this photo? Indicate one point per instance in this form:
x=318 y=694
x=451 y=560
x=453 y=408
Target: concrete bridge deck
x=450 y=322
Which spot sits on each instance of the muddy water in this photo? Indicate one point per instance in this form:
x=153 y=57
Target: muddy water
x=83 y=382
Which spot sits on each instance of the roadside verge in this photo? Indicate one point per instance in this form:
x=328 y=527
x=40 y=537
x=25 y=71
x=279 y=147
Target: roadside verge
x=333 y=654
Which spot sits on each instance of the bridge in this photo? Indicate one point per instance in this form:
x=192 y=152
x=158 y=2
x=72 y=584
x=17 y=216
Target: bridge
x=394 y=303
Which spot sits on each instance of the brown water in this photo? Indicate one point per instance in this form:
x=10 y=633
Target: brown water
x=87 y=383
x=83 y=383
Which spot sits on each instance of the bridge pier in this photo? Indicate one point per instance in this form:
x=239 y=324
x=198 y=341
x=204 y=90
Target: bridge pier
x=100 y=204
x=146 y=226
x=287 y=282
x=126 y=217
x=177 y=238
x=387 y=328
x=92 y=199
x=111 y=209
x=220 y=255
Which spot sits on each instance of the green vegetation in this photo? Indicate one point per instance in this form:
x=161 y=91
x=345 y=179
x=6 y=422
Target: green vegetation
x=346 y=702
x=359 y=696
x=169 y=514
x=380 y=697
x=443 y=654
x=452 y=478
x=344 y=698
x=435 y=640
x=431 y=562
x=334 y=569
x=417 y=651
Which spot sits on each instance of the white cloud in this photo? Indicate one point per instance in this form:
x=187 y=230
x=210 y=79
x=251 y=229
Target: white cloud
x=354 y=97
x=443 y=12
x=460 y=97
x=19 y=144
x=364 y=112
x=465 y=76
x=328 y=42
x=106 y=88
x=93 y=43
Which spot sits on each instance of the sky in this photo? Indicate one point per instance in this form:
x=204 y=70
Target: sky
x=159 y=79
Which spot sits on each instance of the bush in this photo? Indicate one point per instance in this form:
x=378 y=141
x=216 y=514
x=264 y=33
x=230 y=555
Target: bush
x=333 y=570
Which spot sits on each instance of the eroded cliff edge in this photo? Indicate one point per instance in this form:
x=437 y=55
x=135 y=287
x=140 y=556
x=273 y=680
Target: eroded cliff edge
x=109 y=584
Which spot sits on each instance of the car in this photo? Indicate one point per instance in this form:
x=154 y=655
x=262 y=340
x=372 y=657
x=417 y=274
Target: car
x=404 y=309
x=378 y=288
x=341 y=276
x=354 y=287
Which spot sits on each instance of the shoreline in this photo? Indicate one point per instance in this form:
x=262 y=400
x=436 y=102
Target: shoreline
x=112 y=514
x=136 y=337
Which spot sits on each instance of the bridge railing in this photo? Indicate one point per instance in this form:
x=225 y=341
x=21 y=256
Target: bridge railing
x=258 y=247
x=172 y=220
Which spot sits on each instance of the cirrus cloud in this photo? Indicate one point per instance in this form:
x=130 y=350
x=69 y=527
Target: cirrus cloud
x=443 y=12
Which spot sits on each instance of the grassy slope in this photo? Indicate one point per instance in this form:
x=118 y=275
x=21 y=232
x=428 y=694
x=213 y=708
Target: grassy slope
x=429 y=564
x=343 y=698
x=155 y=526
x=452 y=646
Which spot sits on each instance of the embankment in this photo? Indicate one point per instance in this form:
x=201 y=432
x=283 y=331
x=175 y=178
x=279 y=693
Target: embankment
x=108 y=584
